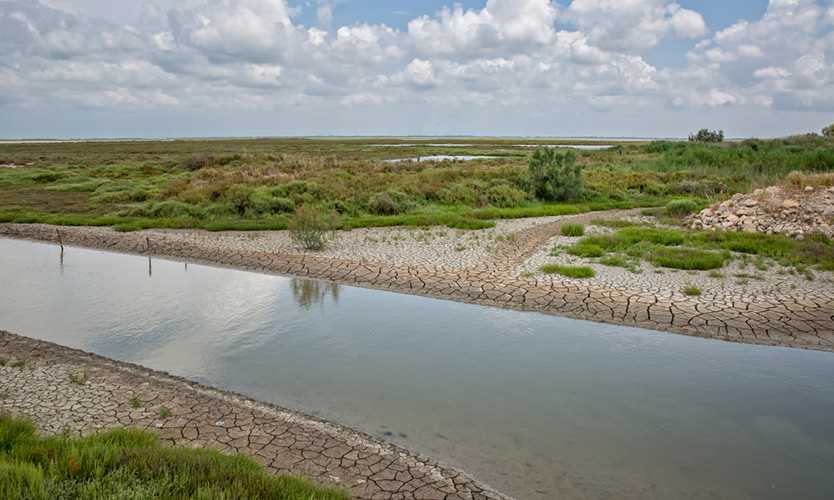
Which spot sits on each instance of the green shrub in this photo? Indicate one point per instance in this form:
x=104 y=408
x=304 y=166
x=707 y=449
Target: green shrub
x=573 y=230
x=687 y=258
x=828 y=131
x=665 y=237
x=706 y=135
x=578 y=272
x=312 y=227
x=390 y=203
x=554 y=176
x=238 y=197
x=265 y=201
x=460 y=194
x=504 y=196
x=681 y=208
x=692 y=291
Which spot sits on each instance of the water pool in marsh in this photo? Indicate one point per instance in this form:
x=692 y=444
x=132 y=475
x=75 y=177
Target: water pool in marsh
x=540 y=407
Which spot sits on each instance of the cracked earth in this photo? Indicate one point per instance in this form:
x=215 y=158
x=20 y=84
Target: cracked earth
x=65 y=390
x=487 y=267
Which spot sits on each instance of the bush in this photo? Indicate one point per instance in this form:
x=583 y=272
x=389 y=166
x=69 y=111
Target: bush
x=265 y=201
x=390 y=203
x=555 y=176
x=577 y=272
x=692 y=291
x=681 y=208
x=706 y=135
x=312 y=227
x=574 y=230
x=504 y=196
x=828 y=131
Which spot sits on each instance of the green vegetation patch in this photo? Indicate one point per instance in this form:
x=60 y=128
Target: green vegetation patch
x=573 y=230
x=687 y=258
x=133 y=464
x=578 y=272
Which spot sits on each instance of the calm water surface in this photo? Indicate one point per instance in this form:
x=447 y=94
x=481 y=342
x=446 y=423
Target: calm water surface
x=426 y=158
x=538 y=406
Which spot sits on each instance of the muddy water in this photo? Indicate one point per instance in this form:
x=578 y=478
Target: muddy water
x=538 y=406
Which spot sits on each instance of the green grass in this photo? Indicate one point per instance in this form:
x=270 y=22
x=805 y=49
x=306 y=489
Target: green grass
x=578 y=272
x=587 y=250
x=687 y=259
x=705 y=250
x=692 y=291
x=573 y=230
x=133 y=464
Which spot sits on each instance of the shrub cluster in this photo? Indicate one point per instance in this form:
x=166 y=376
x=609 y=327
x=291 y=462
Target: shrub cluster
x=554 y=176
x=706 y=135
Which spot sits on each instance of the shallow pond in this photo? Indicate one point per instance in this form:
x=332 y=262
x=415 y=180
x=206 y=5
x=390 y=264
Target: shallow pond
x=538 y=406
x=440 y=158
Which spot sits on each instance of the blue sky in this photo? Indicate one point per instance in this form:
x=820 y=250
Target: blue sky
x=98 y=68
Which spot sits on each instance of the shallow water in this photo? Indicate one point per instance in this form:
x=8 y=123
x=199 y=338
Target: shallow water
x=538 y=406
x=439 y=158
x=585 y=147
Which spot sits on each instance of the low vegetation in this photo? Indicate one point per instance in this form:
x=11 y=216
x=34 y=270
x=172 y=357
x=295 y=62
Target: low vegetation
x=703 y=250
x=691 y=291
x=311 y=227
x=573 y=230
x=135 y=465
x=578 y=272
x=260 y=184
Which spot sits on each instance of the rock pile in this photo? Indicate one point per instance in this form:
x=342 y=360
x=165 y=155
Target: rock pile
x=777 y=209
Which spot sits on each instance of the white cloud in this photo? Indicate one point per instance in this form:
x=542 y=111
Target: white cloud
x=629 y=25
x=506 y=25
x=255 y=55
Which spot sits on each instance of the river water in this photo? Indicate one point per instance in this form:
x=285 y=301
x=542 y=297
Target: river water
x=538 y=406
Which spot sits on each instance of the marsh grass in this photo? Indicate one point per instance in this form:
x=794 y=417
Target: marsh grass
x=258 y=184
x=133 y=464
x=573 y=230
x=707 y=250
x=577 y=272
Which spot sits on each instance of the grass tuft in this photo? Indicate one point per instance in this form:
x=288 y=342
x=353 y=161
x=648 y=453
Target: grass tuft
x=578 y=272
x=573 y=230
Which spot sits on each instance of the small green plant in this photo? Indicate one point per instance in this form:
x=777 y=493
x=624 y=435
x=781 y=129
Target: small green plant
x=312 y=227
x=79 y=377
x=573 y=230
x=716 y=274
x=578 y=272
x=555 y=176
x=19 y=363
x=692 y=291
x=828 y=131
x=135 y=403
x=681 y=208
x=459 y=248
x=164 y=412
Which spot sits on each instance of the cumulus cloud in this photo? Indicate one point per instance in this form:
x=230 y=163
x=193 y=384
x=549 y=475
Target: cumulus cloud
x=634 y=24
x=255 y=54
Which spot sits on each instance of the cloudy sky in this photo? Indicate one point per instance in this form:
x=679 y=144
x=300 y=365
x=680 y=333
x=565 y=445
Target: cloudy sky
x=104 y=68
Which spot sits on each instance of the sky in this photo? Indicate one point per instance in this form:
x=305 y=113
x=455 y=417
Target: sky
x=219 y=68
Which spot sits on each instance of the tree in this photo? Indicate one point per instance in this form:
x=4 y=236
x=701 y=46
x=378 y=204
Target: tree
x=555 y=176
x=706 y=135
x=829 y=131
